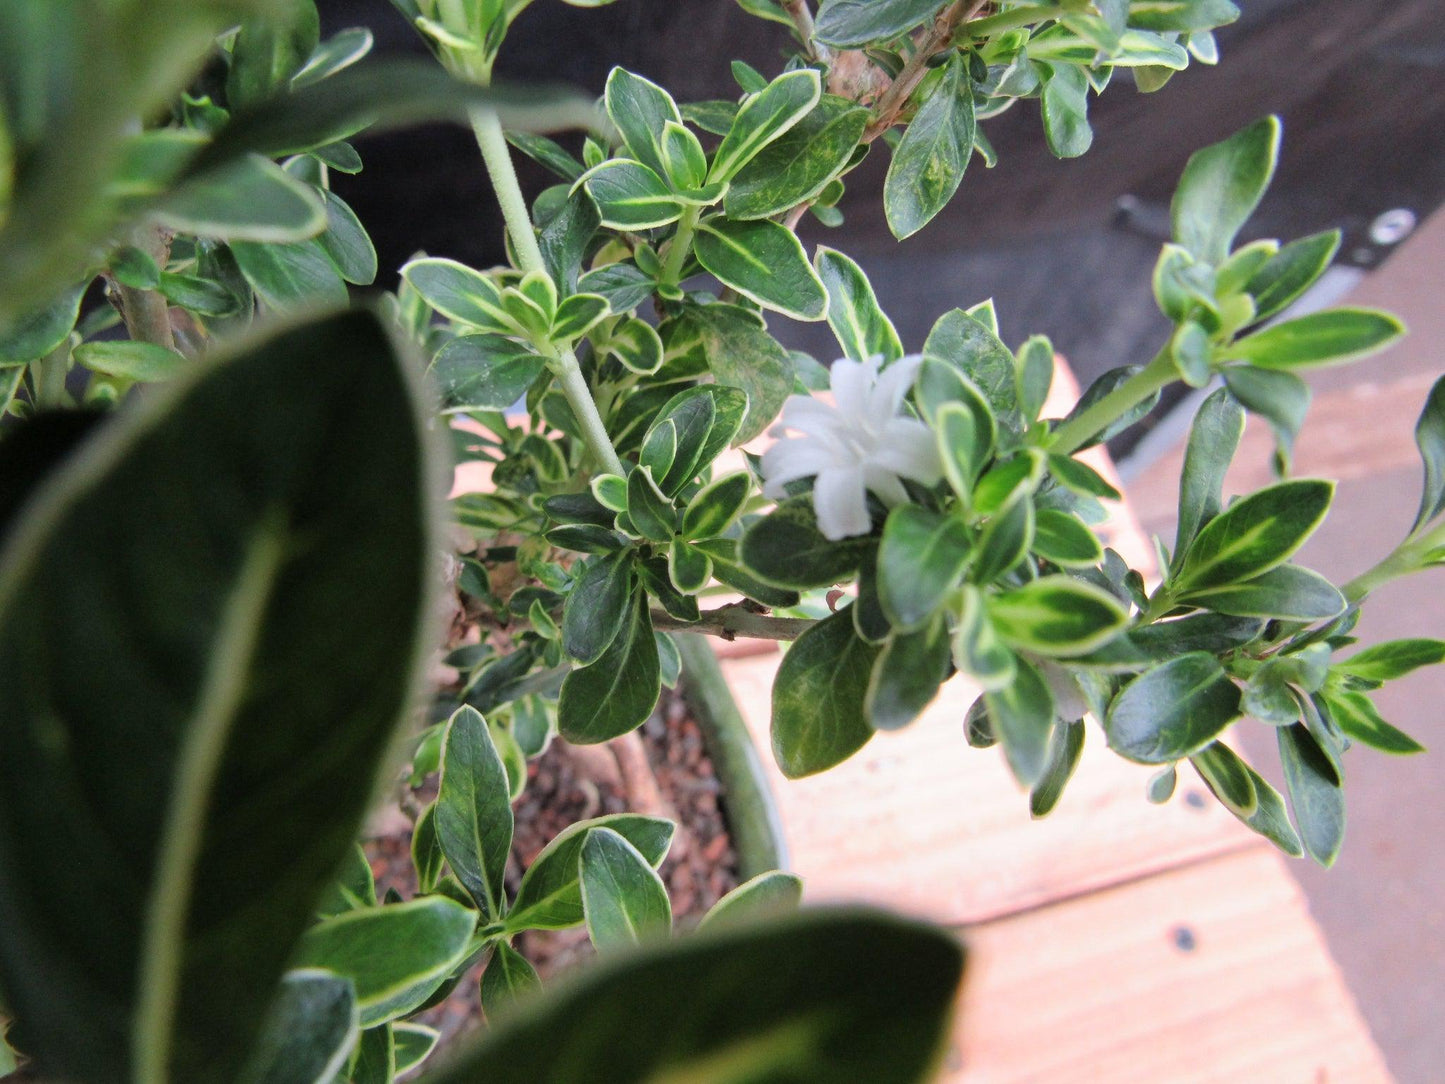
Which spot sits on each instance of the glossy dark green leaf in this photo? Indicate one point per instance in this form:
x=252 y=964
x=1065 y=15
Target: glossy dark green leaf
x=1213 y=439
x=550 y=897
x=1430 y=438
x=623 y=898
x=474 y=810
x=1066 y=745
x=309 y=1032
x=849 y=24
x=1228 y=778
x=763 y=261
x=1063 y=539
x=799 y=164
x=1173 y=710
x=1290 y=272
x=1022 y=714
x=1254 y=535
x=616 y=693
x=291 y=278
x=744 y=356
x=768 y=895
x=708 y=418
x=858 y=323
x=957 y=339
x=818 y=694
x=640 y=109
x=1315 y=794
x=394 y=956
x=427 y=856
x=929 y=161
x=907 y=675
x=716 y=506
x=1221 y=186
x=1355 y=713
x=920 y=561
x=1280 y=398
x=683 y=159
x=764 y=117
x=597 y=606
x=1006 y=540
x=577 y=315
x=1270 y=818
x=786 y=548
x=222 y=493
x=1288 y=592
x=484 y=372
x=1331 y=337
x=412 y=1044
x=250 y=199
x=1057 y=616
x=650 y=511
x=748 y=1002
x=509 y=977
x=630 y=196
x=727 y=569
x=689 y=567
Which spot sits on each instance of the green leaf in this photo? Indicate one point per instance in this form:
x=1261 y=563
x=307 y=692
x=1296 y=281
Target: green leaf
x=1035 y=374
x=268 y=723
x=818 y=694
x=1063 y=539
x=849 y=24
x=1064 y=103
x=977 y=649
x=637 y=345
x=764 y=117
x=412 y=1044
x=1173 y=710
x=716 y=506
x=1289 y=593
x=1189 y=349
x=617 y=693
x=457 y=292
x=683 y=159
x=597 y=606
x=1314 y=792
x=484 y=372
x=1254 y=535
x=1022 y=714
x=427 y=857
x=958 y=340
x=1430 y=438
x=1270 y=818
x=859 y=324
x=509 y=977
x=786 y=548
x=920 y=561
x=1006 y=540
x=347 y=243
x=1356 y=714
x=767 y=895
x=1066 y=745
x=336 y=53
x=623 y=898
x=140 y=361
x=1290 y=272
x=1279 y=397
x=1393 y=659
x=309 y=1032
x=1102 y=386
x=650 y=511
x=577 y=315
x=640 y=109
x=929 y=161
x=474 y=810
x=1057 y=616
x=250 y=199
x=630 y=196
x=1081 y=478
x=762 y=1001
x=353 y=888
x=1162 y=784
x=291 y=278
x=39 y=332
x=764 y=262
x=1221 y=186
x=1213 y=439
x=907 y=675
x=374 y=1060
x=566 y=237
x=268 y=50
x=1331 y=337
x=742 y=355
x=1183 y=15
x=1228 y=778
x=550 y=897
x=395 y=956
x=689 y=567
x=795 y=167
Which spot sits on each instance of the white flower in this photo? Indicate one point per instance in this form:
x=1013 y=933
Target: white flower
x=860 y=442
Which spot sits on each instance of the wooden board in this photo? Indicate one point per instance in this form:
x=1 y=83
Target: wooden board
x=1100 y=989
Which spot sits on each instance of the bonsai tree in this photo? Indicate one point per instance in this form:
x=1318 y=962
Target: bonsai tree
x=221 y=532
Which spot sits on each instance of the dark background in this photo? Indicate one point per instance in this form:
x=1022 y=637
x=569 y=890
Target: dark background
x=1360 y=86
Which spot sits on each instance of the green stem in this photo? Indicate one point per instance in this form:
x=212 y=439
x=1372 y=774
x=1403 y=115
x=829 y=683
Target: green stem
x=498 y=159
x=1079 y=431
x=1406 y=558
x=752 y=814
x=1010 y=20
x=680 y=246
x=147 y=313
x=49 y=375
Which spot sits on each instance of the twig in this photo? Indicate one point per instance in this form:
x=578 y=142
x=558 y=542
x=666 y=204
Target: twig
x=940 y=35
x=146 y=313
x=803 y=20
x=736 y=620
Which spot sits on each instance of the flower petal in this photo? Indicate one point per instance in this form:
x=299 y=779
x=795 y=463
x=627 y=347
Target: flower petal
x=893 y=384
x=788 y=460
x=907 y=448
x=841 y=503
x=851 y=382
x=884 y=485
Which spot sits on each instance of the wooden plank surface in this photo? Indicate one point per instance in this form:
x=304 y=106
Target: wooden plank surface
x=1211 y=972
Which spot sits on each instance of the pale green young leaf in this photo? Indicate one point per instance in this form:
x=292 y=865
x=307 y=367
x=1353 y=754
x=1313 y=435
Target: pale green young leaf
x=1221 y=186
x=139 y=361
x=1065 y=108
